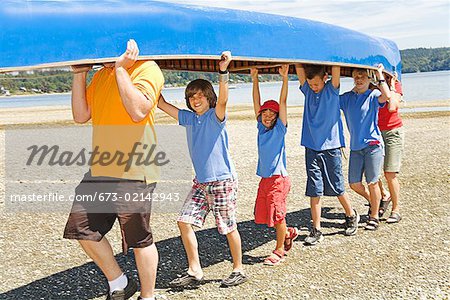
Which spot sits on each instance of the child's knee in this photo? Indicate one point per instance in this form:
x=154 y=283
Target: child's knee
x=390 y=175
x=356 y=186
x=231 y=234
x=373 y=185
x=314 y=200
x=183 y=226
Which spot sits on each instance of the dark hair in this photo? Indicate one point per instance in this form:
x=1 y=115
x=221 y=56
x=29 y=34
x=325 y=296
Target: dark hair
x=314 y=70
x=205 y=87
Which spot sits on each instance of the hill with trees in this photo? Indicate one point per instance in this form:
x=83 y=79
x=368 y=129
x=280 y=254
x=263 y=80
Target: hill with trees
x=425 y=59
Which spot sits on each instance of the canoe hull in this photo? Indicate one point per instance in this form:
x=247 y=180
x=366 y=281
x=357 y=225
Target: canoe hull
x=45 y=34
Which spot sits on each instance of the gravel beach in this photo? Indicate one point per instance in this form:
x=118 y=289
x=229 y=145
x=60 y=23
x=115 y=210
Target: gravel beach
x=409 y=260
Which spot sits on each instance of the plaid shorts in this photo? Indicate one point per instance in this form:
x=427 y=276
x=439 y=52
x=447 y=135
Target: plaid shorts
x=218 y=196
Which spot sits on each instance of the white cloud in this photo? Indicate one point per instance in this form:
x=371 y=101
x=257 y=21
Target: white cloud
x=410 y=23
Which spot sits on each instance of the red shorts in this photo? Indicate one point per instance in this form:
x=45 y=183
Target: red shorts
x=270 y=206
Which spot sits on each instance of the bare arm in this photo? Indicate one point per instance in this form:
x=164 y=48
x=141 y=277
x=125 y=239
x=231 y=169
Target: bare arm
x=135 y=103
x=336 y=76
x=384 y=88
x=168 y=108
x=221 y=106
x=256 y=94
x=80 y=110
x=300 y=70
x=394 y=102
x=284 y=71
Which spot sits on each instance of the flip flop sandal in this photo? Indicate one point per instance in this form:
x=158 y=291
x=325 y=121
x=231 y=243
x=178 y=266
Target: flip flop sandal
x=273 y=261
x=384 y=204
x=395 y=217
x=186 y=280
x=292 y=235
x=372 y=224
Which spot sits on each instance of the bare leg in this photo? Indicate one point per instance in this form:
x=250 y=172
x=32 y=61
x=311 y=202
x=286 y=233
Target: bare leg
x=102 y=254
x=384 y=192
x=345 y=202
x=394 y=189
x=191 y=247
x=234 y=242
x=147 y=264
x=361 y=189
x=281 y=230
x=375 y=196
x=316 y=211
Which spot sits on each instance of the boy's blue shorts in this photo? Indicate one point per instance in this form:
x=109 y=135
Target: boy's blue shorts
x=368 y=161
x=324 y=171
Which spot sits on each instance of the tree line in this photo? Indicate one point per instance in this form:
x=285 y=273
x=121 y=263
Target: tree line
x=425 y=59
x=60 y=81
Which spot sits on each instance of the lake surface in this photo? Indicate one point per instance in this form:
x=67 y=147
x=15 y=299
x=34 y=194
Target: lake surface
x=429 y=86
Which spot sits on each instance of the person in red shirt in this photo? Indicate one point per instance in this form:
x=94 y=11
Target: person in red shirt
x=391 y=126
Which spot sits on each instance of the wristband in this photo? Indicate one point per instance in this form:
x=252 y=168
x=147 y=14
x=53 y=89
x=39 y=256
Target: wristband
x=223 y=72
x=381 y=81
x=224 y=77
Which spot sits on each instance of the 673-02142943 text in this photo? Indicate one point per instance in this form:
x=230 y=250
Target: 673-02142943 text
x=101 y=197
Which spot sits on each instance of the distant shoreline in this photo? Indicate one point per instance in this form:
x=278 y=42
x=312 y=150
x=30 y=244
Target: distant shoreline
x=33 y=95
x=182 y=86
x=65 y=93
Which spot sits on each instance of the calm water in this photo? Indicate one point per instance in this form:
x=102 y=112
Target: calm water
x=428 y=86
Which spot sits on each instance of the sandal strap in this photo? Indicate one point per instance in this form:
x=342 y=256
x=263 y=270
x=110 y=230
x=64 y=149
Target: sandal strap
x=385 y=203
x=272 y=260
x=373 y=221
x=395 y=215
x=280 y=254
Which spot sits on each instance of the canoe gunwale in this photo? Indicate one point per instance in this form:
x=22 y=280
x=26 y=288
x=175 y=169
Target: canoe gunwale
x=204 y=63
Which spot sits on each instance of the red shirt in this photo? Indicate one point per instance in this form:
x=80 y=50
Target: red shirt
x=390 y=120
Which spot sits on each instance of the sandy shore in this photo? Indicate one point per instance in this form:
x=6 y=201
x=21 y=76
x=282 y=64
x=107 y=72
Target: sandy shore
x=63 y=115
x=408 y=260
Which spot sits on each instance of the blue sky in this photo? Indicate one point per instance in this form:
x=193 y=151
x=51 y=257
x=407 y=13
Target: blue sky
x=410 y=23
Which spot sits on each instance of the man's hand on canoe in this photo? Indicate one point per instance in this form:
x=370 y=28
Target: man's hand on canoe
x=127 y=59
x=76 y=69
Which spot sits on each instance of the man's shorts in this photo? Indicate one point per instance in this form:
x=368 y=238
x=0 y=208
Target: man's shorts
x=366 y=161
x=393 y=143
x=218 y=197
x=324 y=171
x=270 y=206
x=111 y=199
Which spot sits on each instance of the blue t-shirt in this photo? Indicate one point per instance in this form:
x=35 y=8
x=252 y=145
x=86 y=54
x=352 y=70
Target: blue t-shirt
x=271 y=150
x=322 y=124
x=361 y=114
x=207 y=140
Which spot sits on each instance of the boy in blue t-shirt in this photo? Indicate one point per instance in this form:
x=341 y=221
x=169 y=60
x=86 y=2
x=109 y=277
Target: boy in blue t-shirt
x=322 y=137
x=215 y=182
x=360 y=107
x=270 y=206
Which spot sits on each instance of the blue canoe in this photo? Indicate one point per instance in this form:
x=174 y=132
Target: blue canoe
x=179 y=37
